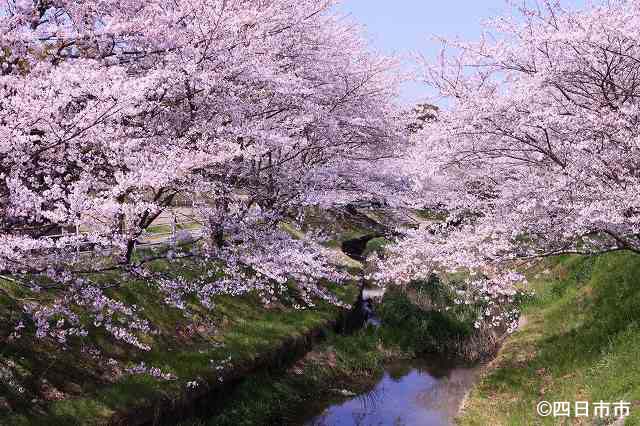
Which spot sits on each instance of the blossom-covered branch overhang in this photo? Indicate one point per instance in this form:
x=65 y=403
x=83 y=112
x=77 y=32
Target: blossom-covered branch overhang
x=535 y=152
x=542 y=133
x=249 y=111
x=110 y=112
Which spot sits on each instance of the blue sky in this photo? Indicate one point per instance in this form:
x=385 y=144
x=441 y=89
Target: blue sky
x=402 y=26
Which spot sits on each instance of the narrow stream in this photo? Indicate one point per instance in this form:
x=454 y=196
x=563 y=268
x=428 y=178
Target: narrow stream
x=412 y=393
x=425 y=392
x=419 y=392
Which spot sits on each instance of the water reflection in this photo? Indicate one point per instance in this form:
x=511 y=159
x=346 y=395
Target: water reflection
x=411 y=395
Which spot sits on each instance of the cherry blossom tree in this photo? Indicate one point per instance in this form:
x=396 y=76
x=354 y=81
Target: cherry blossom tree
x=534 y=151
x=110 y=110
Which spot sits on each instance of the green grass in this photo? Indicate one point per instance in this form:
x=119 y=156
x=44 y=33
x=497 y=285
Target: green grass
x=187 y=346
x=431 y=214
x=342 y=362
x=166 y=228
x=421 y=331
x=375 y=245
x=581 y=342
x=287 y=396
x=238 y=327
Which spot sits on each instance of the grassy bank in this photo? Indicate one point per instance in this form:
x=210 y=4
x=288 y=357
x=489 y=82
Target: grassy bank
x=339 y=367
x=85 y=381
x=342 y=366
x=88 y=380
x=580 y=342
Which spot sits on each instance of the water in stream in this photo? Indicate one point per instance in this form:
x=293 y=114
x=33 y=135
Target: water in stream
x=428 y=392
x=425 y=393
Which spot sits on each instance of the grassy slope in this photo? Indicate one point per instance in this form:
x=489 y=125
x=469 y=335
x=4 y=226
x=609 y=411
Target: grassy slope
x=190 y=348
x=350 y=362
x=343 y=362
x=581 y=342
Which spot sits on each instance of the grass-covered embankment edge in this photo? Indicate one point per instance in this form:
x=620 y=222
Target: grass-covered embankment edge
x=209 y=392
x=74 y=384
x=341 y=367
x=337 y=369
x=580 y=342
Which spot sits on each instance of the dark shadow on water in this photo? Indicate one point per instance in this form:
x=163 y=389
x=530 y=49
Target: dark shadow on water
x=416 y=393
